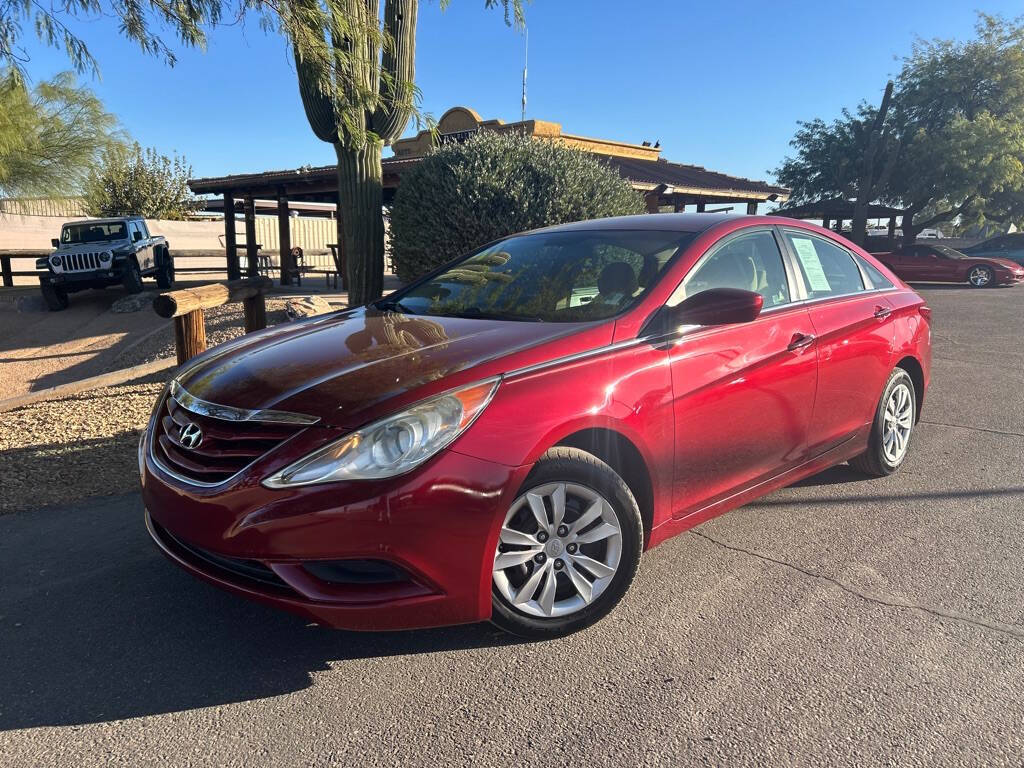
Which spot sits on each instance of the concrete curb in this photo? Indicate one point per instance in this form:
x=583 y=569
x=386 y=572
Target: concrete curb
x=93 y=382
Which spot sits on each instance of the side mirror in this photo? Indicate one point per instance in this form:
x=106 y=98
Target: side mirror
x=717 y=306
x=136 y=236
x=55 y=242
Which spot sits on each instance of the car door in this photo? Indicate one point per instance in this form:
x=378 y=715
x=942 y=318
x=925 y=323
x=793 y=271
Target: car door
x=855 y=334
x=914 y=263
x=143 y=244
x=743 y=394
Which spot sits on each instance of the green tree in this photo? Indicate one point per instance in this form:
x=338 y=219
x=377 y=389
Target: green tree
x=50 y=137
x=133 y=180
x=463 y=195
x=952 y=144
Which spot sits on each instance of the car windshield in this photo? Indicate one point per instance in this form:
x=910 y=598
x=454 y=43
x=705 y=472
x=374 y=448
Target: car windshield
x=949 y=253
x=547 y=277
x=91 y=232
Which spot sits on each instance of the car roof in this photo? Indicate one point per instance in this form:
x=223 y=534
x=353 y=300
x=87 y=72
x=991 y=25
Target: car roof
x=107 y=220
x=660 y=222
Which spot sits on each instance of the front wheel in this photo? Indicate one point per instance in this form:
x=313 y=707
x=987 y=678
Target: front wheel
x=56 y=298
x=891 y=429
x=981 y=277
x=132 y=279
x=569 y=547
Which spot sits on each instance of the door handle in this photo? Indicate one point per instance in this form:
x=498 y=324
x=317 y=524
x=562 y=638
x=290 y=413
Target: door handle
x=800 y=340
x=882 y=312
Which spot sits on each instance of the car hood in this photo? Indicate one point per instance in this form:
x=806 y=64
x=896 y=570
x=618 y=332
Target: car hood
x=1011 y=265
x=344 y=368
x=105 y=245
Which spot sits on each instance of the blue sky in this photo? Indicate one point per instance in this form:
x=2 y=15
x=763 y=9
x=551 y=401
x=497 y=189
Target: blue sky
x=719 y=84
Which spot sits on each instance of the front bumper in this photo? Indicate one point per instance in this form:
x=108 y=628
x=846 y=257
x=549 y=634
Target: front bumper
x=437 y=528
x=1009 y=279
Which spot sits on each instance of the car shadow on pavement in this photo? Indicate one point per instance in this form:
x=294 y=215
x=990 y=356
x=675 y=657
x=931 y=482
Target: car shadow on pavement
x=95 y=625
x=841 y=473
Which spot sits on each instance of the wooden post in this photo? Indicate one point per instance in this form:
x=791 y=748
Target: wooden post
x=5 y=267
x=251 y=254
x=752 y=208
x=284 y=239
x=189 y=335
x=701 y=206
x=892 y=229
x=230 y=241
x=839 y=226
x=679 y=205
x=825 y=220
x=652 y=199
x=255 y=310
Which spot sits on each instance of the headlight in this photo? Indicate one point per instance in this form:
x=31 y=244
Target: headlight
x=55 y=260
x=106 y=256
x=394 y=445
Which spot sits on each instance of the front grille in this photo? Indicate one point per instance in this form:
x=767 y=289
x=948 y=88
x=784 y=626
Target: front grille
x=82 y=262
x=224 y=449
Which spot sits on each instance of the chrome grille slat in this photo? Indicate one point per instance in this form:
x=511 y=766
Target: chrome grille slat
x=227 y=448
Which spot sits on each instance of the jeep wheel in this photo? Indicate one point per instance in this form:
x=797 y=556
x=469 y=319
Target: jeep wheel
x=132 y=279
x=56 y=298
x=165 y=273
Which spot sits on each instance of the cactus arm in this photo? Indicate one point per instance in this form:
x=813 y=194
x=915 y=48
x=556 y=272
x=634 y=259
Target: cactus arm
x=398 y=65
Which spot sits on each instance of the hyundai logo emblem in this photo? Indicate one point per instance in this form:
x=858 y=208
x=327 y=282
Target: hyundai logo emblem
x=190 y=435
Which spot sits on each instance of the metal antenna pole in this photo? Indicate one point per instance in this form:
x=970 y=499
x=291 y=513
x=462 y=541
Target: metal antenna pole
x=525 y=60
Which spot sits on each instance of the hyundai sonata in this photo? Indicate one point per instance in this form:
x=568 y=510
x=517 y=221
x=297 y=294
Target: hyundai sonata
x=503 y=438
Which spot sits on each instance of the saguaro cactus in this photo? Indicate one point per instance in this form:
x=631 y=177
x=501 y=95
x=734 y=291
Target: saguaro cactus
x=359 y=99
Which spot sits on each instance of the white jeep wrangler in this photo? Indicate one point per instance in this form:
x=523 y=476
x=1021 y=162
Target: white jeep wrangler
x=99 y=252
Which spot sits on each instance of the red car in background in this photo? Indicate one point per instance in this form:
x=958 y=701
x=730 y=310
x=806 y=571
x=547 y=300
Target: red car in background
x=931 y=262
x=503 y=438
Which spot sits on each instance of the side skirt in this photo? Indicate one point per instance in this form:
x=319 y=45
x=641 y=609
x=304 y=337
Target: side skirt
x=837 y=455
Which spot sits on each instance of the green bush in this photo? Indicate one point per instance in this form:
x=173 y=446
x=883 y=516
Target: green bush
x=132 y=180
x=464 y=195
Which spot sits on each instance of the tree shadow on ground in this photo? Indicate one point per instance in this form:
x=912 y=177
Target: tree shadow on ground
x=95 y=625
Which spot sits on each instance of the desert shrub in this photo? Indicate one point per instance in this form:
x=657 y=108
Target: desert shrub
x=464 y=195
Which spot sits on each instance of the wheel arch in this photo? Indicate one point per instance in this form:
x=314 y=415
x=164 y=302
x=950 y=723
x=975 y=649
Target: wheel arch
x=913 y=367
x=622 y=455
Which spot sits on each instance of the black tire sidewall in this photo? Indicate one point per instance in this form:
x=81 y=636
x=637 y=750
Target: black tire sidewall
x=580 y=468
x=55 y=298
x=132 y=279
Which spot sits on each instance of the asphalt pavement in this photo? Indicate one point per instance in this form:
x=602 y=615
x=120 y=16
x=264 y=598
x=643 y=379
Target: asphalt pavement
x=841 y=621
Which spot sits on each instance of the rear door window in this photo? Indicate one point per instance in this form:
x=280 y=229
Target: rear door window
x=827 y=269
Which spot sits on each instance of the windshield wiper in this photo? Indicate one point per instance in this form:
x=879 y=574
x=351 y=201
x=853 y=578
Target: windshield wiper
x=395 y=305
x=475 y=313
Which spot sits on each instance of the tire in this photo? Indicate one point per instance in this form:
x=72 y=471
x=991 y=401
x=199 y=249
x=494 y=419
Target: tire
x=132 y=278
x=165 y=273
x=56 y=299
x=878 y=460
x=981 y=276
x=614 y=536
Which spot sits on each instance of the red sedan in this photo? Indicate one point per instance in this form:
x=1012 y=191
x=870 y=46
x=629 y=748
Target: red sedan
x=939 y=263
x=503 y=438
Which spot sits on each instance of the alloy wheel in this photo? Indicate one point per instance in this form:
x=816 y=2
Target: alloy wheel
x=897 y=422
x=979 y=277
x=559 y=549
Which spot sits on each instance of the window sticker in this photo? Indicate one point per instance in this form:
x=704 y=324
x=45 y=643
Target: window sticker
x=811 y=263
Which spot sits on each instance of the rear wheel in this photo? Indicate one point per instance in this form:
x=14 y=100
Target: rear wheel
x=569 y=547
x=165 y=273
x=56 y=298
x=891 y=429
x=132 y=279
x=981 y=276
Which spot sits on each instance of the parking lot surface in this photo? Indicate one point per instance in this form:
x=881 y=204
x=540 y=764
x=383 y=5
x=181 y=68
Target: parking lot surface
x=843 y=620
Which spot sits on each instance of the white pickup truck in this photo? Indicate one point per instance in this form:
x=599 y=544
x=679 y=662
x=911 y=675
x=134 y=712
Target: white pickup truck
x=97 y=253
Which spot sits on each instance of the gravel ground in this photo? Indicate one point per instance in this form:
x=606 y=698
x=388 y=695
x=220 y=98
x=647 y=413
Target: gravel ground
x=222 y=324
x=59 y=451
x=64 y=450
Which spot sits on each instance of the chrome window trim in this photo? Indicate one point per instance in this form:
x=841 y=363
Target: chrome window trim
x=202 y=407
